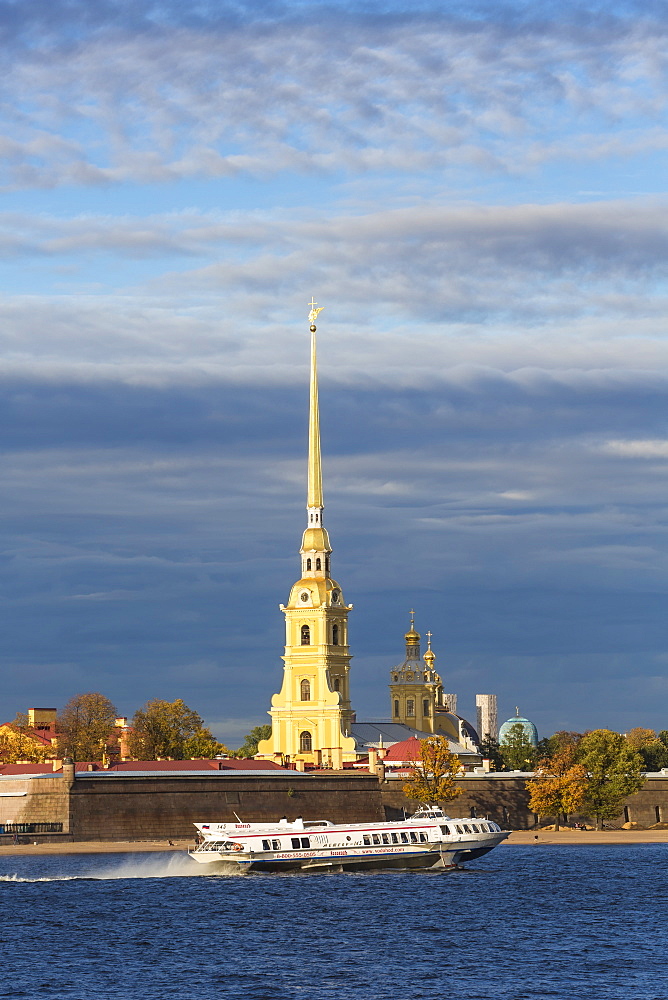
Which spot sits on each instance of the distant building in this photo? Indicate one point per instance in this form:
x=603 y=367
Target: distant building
x=530 y=730
x=487 y=718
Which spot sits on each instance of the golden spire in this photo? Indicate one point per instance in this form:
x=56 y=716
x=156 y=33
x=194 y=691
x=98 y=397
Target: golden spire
x=314 y=492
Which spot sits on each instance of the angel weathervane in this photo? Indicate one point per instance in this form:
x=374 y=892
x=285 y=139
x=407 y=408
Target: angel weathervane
x=313 y=315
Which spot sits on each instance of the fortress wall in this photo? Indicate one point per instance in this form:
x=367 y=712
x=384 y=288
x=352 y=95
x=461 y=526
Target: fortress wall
x=502 y=799
x=505 y=799
x=35 y=800
x=141 y=808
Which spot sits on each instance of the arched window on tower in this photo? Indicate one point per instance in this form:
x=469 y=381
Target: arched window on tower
x=308 y=563
x=305 y=742
x=318 y=564
x=425 y=708
x=306 y=635
x=335 y=635
x=326 y=564
x=410 y=708
x=396 y=709
x=306 y=690
x=337 y=683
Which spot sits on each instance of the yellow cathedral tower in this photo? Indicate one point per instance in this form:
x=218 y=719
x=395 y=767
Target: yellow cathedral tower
x=311 y=715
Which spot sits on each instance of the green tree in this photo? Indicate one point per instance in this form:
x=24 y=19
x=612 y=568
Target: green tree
x=170 y=729
x=491 y=751
x=559 y=785
x=433 y=773
x=84 y=725
x=613 y=772
x=517 y=750
x=249 y=746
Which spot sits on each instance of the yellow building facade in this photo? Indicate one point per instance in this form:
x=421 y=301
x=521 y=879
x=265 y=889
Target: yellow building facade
x=311 y=715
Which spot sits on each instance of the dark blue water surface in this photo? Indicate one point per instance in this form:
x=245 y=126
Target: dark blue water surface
x=525 y=922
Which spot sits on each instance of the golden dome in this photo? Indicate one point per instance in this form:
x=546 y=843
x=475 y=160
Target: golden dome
x=429 y=657
x=412 y=637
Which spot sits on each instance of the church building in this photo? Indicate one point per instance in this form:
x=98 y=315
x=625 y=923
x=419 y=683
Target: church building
x=311 y=716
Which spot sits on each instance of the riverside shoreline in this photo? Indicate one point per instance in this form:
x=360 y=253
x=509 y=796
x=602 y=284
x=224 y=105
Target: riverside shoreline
x=97 y=847
x=517 y=838
x=579 y=837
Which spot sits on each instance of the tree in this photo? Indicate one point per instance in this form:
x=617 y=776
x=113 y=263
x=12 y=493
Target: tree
x=249 y=746
x=432 y=778
x=170 y=729
x=84 y=725
x=203 y=744
x=551 y=745
x=17 y=746
x=652 y=749
x=559 y=785
x=613 y=771
x=491 y=751
x=517 y=750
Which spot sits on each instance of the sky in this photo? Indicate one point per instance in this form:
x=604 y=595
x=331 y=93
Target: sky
x=476 y=193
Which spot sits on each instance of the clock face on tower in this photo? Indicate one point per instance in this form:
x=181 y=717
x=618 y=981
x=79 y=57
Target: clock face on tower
x=336 y=594
x=304 y=596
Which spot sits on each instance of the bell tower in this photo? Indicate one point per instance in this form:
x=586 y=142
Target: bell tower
x=311 y=715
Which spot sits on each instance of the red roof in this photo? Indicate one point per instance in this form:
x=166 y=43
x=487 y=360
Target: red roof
x=227 y=764
x=26 y=768
x=406 y=750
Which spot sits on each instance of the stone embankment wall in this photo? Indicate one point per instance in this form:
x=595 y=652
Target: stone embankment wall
x=35 y=800
x=161 y=807
x=119 y=808
x=505 y=799
x=501 y=798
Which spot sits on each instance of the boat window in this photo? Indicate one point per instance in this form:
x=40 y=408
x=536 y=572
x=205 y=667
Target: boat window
x=306 y=843
x=367 y=840
x=459 y=829
x=266 y=846
x=386 y=838
x=414 y=839
x=395 y=839
x=376 y=838
x=445 y=830
x=404 y=838
x=295 y=843
x=276 y=845
x=423 y=838
x=475 y=827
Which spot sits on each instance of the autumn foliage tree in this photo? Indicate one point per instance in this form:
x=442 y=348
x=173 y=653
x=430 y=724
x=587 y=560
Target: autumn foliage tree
x=559 y=785
x=17 y=746
x=170 y=729
x=84 y=725
x=433 y=773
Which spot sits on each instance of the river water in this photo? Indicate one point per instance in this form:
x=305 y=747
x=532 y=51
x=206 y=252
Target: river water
x=523 y=923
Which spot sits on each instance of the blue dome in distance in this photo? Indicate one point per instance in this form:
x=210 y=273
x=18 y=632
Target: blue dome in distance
x=530 y=730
